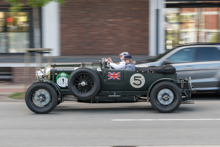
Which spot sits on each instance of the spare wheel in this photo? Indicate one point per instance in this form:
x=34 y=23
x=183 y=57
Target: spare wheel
x=84 y=83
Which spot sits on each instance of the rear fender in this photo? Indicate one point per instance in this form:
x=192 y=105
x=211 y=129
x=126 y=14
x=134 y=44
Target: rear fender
x=159 y=80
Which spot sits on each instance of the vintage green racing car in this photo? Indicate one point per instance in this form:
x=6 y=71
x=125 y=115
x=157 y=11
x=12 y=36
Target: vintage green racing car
x=97 y=82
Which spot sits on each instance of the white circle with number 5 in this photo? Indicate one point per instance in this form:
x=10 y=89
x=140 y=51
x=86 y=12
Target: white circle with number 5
x=137 y=80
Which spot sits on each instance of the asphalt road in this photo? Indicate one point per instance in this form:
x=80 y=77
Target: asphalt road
x=130 y=124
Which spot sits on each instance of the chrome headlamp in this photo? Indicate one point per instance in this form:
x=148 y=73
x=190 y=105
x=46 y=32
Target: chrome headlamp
x=39 y=74
x=44 y=73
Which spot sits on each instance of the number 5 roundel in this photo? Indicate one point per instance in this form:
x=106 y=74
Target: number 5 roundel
x=137 y=80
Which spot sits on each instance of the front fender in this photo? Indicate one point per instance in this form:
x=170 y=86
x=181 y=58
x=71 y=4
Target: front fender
x=54 y=85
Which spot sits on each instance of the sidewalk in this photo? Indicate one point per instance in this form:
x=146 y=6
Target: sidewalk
x=10 y=88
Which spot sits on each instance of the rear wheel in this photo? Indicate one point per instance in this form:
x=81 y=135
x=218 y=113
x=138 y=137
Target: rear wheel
x=165 y=97
x=41 y=98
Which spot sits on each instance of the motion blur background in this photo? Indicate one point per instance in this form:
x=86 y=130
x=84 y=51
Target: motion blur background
x=83 y=30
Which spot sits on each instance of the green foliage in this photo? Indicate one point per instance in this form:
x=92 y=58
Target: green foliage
x=17 y=95
x=184 y=18
x=16 y=5
x=215 y=38
x=173 y=36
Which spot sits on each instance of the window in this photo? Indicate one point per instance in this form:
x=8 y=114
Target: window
x=183 y=56
x=14 y=31
x=207 y=54
x=190 y=25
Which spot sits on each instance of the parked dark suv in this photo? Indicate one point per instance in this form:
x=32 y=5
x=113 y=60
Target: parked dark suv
x=201 y=62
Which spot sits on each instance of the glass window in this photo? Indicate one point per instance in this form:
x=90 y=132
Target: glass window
x=14 y=32
x=207 y=54
x=183 y=56
x=190 y=25
x=17 y=21
x=3 y=43
x=217 y=54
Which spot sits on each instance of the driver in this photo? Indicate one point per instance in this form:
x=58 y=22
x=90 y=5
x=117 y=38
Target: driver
x=128 y=63
x=121 y=64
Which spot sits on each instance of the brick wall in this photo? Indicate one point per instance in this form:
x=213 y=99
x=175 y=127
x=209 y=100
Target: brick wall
x=97 y=27
x=211 y=9
x=19 y=75
x=187 y=10
x=211 y=21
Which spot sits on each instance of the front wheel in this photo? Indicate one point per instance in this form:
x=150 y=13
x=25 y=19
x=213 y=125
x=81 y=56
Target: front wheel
x=165 y=97
x=41 y=98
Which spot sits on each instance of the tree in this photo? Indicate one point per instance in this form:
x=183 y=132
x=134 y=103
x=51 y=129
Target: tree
x=16 y=5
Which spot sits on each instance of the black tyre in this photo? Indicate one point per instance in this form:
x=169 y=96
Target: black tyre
x=84 y=83
x=41 y=98
x=165 y=97
x=58 y=102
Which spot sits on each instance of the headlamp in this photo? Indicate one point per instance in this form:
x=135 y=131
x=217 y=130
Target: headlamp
x=39 y=74
x=44 y=73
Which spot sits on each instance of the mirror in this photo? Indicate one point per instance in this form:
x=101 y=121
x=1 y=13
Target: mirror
x=167 y=61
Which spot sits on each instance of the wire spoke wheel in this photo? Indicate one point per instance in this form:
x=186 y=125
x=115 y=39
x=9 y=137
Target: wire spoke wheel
x=83 y=83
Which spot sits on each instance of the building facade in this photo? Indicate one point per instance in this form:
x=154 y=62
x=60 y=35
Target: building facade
x=100 y=27
x=96 y=27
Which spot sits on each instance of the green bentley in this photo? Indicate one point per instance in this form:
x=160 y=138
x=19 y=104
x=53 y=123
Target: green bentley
x=98 y=82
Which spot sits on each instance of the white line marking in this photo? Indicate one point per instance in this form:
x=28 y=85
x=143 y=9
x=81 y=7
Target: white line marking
x=217 y=119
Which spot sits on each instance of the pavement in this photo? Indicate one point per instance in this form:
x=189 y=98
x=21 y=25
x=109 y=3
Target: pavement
x=114 y=124
x=7 y=88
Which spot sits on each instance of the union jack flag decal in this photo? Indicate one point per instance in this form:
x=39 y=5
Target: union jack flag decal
x=114 y=75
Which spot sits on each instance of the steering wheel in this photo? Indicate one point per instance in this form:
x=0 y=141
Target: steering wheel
x=105 y=64
x=108 y=65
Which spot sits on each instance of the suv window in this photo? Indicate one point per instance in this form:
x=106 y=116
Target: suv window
x=207 y=54
x=183 y=56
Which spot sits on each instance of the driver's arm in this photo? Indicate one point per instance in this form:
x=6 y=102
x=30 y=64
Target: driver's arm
x=121 y=65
